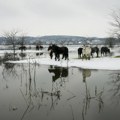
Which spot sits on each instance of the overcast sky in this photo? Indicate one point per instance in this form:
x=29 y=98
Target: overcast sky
x=57 y=17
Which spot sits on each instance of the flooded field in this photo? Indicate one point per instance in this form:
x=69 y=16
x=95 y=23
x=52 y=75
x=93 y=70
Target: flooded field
x=37 y=92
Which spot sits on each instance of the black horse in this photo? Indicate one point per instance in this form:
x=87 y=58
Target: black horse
x=57 y=51
x=22 y=48
x=80 y=52
x=39 y=47
x=95 y=50
x=105 y=51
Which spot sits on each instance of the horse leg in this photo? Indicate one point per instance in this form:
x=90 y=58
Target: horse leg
x=66 y=56
x=92 y=54
x=105 y=53
x=88 y=57
x=63 y=56
x=97 y=54
x=78 y=55
x=58 y=57
x=55 y=58
x=101 y=54
x=51 y=54
x=84 y=56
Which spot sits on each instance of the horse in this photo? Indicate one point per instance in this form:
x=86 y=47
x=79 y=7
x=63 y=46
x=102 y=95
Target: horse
x=95 y=50
x=58 y=50
x=105 y=51
x=39 y=47
x=80 y=52
x=86 y=52
x=22 y=48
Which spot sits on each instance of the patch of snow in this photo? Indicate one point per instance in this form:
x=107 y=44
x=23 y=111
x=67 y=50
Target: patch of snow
x=95 y=63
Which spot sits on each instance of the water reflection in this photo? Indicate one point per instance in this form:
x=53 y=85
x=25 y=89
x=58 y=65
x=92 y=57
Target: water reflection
x=115 y=83
x=86 y=73
x=31 y=92
x=9 y=70
x=49 y=92
x=9 y=66
x=22 y=55
x=45 y=97
x=58 y=72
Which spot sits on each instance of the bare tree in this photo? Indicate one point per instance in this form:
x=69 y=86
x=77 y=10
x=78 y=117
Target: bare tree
x=12 y=39
x=38 y=42
x=22 y=40
x=115 y=23
x=110 y=41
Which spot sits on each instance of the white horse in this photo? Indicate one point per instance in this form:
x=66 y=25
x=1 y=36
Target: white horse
x=86 y=52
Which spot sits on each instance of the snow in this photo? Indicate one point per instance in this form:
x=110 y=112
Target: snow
x=95 y=63
x=103 y=63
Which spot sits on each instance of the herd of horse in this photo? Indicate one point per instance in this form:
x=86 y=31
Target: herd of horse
x=23 y=47
x=85 y=52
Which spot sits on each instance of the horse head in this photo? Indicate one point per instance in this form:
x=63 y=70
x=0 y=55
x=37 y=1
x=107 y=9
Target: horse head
x=49 y=48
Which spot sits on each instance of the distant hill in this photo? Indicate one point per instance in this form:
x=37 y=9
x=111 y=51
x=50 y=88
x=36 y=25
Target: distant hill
x=60 y=39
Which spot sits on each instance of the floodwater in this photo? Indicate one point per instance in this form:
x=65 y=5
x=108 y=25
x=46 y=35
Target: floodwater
x=37 y=92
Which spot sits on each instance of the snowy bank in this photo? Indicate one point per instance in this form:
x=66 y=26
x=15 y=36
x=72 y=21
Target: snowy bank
x=94 y=63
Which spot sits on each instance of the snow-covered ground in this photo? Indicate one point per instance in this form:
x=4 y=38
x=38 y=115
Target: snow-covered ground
x=105 y=63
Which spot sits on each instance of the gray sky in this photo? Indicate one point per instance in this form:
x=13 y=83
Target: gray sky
x=57 y=17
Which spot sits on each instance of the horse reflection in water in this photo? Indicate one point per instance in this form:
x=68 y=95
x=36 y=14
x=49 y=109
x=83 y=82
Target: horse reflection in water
x=59 y=72
x=86 y=73
x=32 y=93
